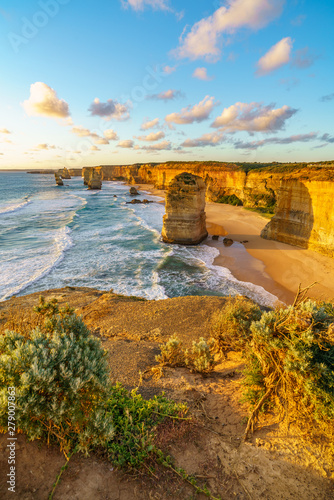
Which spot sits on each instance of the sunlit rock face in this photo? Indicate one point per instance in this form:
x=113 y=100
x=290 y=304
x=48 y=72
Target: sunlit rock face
x=304 y=216
x=94 y=181
x=59 y=180
x=184 y=221
x=64 y=173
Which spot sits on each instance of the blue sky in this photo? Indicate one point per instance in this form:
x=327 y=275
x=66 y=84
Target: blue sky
x=124 y=81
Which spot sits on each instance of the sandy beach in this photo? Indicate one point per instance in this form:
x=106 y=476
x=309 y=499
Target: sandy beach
x=277 y=267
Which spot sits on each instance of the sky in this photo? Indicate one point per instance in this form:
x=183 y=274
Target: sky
x=135 y=81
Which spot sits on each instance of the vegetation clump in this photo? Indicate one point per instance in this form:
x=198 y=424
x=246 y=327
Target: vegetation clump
x=289 y=355
x=60 y=374
x=199 y=359
x=230 y=327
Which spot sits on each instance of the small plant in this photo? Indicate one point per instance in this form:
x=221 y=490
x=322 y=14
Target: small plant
x=200 y=359
x=230 y=327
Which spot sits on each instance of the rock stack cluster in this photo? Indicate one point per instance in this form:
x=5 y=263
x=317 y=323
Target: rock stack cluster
x=184 y=221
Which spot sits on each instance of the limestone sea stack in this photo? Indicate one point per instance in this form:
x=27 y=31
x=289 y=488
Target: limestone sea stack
x=59 y=180
x=184 y=221
x=94 y=181
x=64 y=173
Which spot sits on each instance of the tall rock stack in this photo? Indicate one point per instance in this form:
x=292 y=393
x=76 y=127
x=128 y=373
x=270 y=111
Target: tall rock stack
x=59 y=180
x=94 y=181
x=64 y=173
x=184 y=221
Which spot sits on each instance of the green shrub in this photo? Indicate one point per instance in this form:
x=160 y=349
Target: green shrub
x=61 y=377
x=230 y=326
x=200 y=359
x=291 y=356
x=231 y=199
x=135 y=421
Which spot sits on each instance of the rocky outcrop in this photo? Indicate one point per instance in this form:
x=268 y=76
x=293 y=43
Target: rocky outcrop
x=133 y=191
x=256 y=186
x=304 y=215
x=184 y=221
x=59 y=180
x=64 y=173
x=94 y=181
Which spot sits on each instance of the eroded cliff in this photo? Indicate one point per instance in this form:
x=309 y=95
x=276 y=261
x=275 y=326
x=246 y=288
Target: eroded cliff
x=300 y=194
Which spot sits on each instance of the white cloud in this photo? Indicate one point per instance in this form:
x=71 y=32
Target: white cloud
x=160 y=146
x=111 y=135
x=141 y=4
x=253 y=117
x=81 y=131
x=95 y=148
x=152 y=137
x=212 y=139
x=4 y=131
x=191 y=114
x=43 y=101
x=43 y=147
x=126 y=144
x=110 y=110
x=85 y=132
x=276 y=57
x=150 y=124
x=168 y=95
x=203 y=39
x=201 y=74
x=169 y=69
x=277 y=140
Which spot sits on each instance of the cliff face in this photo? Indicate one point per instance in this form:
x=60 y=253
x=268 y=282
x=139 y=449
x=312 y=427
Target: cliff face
x=184 y=222
x=304 y=215
x=301 y=194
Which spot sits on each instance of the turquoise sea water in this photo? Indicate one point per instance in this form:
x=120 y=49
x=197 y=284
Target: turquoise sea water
x=51 y=237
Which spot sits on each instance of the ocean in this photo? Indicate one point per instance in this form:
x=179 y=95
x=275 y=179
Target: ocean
x=52 y=237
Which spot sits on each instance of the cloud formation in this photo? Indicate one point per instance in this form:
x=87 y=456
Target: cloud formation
x=111 y=135
x=43 y=101
x=253 y=117
x=110 y=110
x=212 y=139
x=152 y=137
x=168 y=95
x=276 y=140
x=201 y=74
x=160 y=146
x=276 y=57
x=168 y=70
x=327 y=98
x=203 y=40
x=126 y=144
x=4 y=131
x=150 y=124
x=141 y=4
x=303 y=58
x=97 y=139
x=197 y=113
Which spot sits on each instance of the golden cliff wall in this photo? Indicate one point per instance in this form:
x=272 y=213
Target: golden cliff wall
x=304 y=215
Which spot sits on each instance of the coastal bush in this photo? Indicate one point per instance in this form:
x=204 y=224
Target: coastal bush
x=230 y=326
x=231 y=199
x=60 y=374
x=199 y=359
x=291 y=359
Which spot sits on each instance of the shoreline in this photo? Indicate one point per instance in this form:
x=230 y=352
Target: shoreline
x=277 y=267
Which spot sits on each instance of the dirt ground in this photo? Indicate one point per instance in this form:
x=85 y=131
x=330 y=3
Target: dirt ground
x=272 y=464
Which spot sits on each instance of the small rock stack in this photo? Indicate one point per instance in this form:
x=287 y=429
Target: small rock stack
x=94 y=181
x=184 y=221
